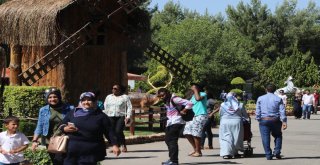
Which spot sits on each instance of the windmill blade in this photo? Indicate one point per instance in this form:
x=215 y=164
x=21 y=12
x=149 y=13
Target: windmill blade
x=69 y=46
x=154 y=51
x=58 y=54
x=175 y=66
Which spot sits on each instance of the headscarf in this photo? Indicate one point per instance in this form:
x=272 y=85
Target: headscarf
x=231 y=104
x=83 y=111
x=56 y=91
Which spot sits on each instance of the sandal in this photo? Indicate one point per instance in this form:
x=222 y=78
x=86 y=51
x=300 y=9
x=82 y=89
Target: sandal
x=208 y=148
x=191 y=153
x=227 y=157
x=196 y=154
x=124 y=149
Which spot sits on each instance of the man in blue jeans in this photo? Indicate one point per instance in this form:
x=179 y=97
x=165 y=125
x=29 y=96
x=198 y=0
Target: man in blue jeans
x=271 y=114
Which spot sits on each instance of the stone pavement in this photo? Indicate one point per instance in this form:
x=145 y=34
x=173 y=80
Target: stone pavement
x=301 y=145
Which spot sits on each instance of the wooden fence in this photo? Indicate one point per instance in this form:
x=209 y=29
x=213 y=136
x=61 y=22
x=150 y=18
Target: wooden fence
x=152 y=113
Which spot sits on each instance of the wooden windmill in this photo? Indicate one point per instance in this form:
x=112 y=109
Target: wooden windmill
x=70 y=58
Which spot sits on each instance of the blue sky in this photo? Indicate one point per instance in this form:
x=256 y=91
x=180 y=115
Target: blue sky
x=216 y=6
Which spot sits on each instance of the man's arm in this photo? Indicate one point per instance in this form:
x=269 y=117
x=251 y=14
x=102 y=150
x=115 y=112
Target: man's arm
x=258 y=109
x=282 y=111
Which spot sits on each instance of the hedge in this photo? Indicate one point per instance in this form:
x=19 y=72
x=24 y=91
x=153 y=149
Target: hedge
x=25 y=101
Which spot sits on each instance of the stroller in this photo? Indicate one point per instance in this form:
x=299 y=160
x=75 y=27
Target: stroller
x=248 y=150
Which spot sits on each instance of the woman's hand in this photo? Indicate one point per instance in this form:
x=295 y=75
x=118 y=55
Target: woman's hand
x=126 y=120
x=34 y=146
x=70 y=129
x=116 y=150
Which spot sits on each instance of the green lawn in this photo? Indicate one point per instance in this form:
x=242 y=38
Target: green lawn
x=143 y=129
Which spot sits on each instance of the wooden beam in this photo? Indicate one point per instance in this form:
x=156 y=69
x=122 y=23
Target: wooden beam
x=15 y=64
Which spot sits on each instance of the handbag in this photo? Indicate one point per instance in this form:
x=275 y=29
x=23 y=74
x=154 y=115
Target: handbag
x=58 y=143
x=189 y=114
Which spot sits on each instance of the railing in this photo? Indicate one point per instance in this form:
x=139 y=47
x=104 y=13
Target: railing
x=152 y=113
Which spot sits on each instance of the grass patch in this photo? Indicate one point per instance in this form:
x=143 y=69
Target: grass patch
x=142 y=130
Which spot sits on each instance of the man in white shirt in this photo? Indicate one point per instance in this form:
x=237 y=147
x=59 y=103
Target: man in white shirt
x=307 y=103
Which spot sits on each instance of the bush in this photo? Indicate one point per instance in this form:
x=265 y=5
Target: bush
x=237 y=81
x=237 y=91
x=27 y=127
x=38 y=157
x=24 y=101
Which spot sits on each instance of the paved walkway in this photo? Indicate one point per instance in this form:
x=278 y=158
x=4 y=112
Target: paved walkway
x=301 y=145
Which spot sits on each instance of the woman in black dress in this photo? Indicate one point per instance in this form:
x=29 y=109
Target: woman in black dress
x=297 y=109
x=85 y=127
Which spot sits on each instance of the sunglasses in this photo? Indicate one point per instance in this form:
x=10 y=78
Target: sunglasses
x=51 y=90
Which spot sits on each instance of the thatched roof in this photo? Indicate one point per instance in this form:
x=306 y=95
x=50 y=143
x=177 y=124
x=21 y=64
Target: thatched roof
x=30 y=22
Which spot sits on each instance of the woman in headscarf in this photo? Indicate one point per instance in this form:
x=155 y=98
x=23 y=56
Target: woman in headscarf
x=232 y=113
x=50 y=117
x=86 y=127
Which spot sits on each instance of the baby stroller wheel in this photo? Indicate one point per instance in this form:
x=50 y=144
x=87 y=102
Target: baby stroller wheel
x=248 y=152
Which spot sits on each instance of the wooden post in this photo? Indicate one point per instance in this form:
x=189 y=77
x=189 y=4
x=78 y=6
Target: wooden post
x=133 y=122
x=15 y=64
x=162 y=115
x=150 y=119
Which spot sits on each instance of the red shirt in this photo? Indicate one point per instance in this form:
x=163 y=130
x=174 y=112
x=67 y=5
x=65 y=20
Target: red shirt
x=316 y=97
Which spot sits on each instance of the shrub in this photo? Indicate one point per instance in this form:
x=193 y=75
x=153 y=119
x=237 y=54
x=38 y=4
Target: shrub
x=237 y=91
x=237 y=81
x=38 y=157
x=24 y=101
x=27 y=127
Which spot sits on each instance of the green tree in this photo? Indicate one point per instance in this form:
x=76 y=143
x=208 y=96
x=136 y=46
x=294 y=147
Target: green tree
x=300 y=66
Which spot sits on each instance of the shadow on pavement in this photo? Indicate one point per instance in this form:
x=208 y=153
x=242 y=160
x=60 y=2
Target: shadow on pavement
x=301 y=157
x=257 y=156
x=148 y=151
x=132 y=157
x=219 y=162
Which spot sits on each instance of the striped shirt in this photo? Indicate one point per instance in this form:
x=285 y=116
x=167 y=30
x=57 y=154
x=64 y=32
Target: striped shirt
x=173 y=114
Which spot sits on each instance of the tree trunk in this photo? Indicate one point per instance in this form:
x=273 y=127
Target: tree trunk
x=15 y=64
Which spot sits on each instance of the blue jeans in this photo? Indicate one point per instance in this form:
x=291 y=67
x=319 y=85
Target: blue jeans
x=306 y=110
x=272 y=127
x=207 y=132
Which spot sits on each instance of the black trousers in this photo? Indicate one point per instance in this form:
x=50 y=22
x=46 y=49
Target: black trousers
x=171 y=139
x=57 y=159
x=118 y=125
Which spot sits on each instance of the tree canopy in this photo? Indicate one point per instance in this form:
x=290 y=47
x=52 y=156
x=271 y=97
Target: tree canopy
x=251 y=42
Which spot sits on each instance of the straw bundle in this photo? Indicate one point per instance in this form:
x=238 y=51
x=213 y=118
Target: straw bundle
x=30 y=22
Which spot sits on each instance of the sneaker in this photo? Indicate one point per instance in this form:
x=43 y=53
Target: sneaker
x=278 y=156
x=169 y=163
x=166 y=162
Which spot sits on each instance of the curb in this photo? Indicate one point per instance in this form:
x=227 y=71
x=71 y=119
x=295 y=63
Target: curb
x=145 y=139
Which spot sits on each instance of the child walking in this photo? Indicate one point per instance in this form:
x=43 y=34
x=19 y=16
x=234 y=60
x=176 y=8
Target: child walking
x=12 y=142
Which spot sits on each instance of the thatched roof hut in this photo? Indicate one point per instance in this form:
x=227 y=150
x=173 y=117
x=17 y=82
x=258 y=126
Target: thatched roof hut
x=34 y=27
x=30 y=22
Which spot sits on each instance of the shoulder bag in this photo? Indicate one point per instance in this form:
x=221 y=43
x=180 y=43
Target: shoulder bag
x=186 y=117
x=58 y=143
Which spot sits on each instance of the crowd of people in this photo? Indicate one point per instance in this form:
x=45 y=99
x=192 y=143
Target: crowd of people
x=304 y=103
x=88 y=124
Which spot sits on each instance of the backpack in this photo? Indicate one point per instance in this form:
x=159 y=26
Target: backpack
x=186 y=117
